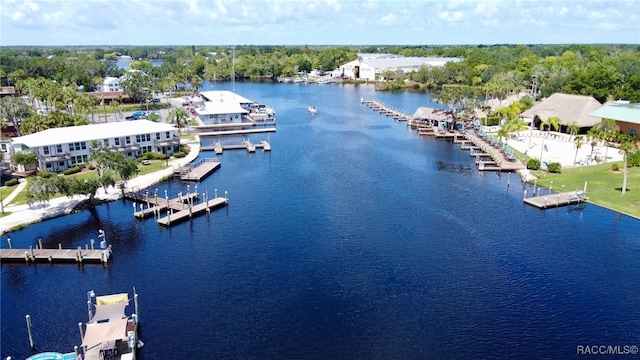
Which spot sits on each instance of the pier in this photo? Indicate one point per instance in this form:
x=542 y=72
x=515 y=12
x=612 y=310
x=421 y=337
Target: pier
x=387 y=110
x=198 y=170
x=557 y=199
x=177 y=209
x=192 y=210
x=247 y=145
x=33 y=255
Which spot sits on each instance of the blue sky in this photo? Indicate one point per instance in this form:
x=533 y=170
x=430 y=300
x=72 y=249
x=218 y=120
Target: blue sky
x=317 y=22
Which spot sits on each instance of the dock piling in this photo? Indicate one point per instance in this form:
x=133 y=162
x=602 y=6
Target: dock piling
x=29 y=331
x=9 y=242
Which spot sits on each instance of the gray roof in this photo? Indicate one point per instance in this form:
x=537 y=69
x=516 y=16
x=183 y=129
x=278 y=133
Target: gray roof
x=403 y=62
x=621 y=112
x=568 y=108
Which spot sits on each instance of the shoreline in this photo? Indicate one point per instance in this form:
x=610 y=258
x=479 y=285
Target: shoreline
x=24 y=215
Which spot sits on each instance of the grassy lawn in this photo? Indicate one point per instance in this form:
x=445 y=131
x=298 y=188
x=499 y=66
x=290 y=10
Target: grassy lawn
x=603 y=185
x=6 y=190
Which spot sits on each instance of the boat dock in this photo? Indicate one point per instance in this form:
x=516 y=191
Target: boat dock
x=219 y=148
x=177 y=209
x=156 y=205
x=557 y=199
x=33 y=255
x=198 y=170
x=236 y=132
x=192 y=210
x=387 y=110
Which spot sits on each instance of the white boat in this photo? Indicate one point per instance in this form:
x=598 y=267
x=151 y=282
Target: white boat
x=312 y=109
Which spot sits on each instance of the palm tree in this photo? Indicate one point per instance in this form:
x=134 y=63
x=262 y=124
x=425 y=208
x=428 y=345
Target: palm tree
x=180 y=116
x=549 y=123
x=577 y=141
x=573 y=128
x=627 y=147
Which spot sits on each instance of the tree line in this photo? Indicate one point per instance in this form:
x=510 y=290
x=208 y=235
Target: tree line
x=604 y=71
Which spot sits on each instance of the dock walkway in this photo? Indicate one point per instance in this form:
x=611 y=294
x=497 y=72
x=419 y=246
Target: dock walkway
x=198 y=170
x=191 y=211
x=387 y=110
x=247 y=145
x=557 y=199
x=55 y=255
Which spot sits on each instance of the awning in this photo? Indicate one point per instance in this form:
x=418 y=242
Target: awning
x=109 y=311
x=112 y=299
x=97 y=333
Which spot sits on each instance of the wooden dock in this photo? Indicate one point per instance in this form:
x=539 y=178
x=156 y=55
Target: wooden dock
x=387 y=110
x=557 y=199
x=55 y=255
x=247 y=145
x=237 y=132
x=177 y=209
x=198 y=170
x=156 y=205
x=191 y=211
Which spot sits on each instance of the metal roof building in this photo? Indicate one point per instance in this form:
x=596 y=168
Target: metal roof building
x=370 y=66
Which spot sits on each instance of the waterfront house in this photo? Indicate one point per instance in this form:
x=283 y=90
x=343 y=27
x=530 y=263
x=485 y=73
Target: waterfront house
x=58 y=149
x=219 y=107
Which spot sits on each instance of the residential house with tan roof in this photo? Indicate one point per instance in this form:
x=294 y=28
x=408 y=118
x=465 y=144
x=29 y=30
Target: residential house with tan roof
x=566 y=107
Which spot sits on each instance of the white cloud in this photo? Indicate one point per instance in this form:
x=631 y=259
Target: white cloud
x=388 y=19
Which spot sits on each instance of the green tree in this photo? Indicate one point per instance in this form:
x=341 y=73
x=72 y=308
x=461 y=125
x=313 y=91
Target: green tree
x=578 y=141
x=627 y=147
x=13 y=110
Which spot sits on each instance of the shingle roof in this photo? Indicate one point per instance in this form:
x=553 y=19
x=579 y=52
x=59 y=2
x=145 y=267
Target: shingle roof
x=622 y=112
x=71 y=134
x=568 y=108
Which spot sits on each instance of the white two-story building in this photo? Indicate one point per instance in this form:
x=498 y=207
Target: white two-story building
x=58 y=149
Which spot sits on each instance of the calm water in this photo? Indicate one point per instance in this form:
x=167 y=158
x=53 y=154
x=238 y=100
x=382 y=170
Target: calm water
x=353 y=239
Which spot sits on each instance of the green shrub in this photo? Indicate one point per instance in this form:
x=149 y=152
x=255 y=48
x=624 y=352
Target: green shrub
x=154 y=156
x=45 y=174
x=633 y=159
x=70 y=171
x=533 y=164
x=11 y=182
x=615 y=167
x=91 y=167
x=179 y=154
x=555 y=167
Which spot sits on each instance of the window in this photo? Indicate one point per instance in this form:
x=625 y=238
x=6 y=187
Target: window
x=78 y=146
x=105 y=142
x=148 y=137
x=59 y=149
x=138 y=139
x=45 y=150
x=128 y=140
x=167 y=135
x=117 y=140
x=157 y=136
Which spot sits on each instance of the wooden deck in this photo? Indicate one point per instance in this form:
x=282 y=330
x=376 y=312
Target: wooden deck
x=237 y=132
x=157 y=205
x=247 y=145
x=198 y=171
x=377 y=105
x=557 y=199
x=191 y=211
x=482 y=148
x=55 y=255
